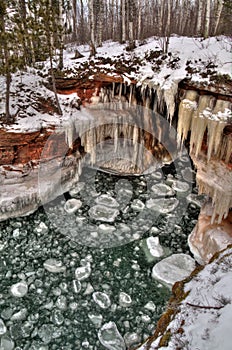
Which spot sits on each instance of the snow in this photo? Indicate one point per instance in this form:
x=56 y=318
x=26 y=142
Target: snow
x=28 y=87
x=205 y=315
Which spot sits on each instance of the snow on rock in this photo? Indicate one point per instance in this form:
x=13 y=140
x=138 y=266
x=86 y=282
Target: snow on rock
x=72 y=205
x=203 y=318
x=110 y=337
x=174 y=268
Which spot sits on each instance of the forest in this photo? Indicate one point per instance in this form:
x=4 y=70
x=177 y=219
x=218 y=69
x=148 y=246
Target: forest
x=33 y=31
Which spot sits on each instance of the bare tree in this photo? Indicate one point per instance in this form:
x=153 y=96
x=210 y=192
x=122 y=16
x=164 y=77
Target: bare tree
x=199 y=17
x=207 y=19
x=218 y=11
x=123 y=10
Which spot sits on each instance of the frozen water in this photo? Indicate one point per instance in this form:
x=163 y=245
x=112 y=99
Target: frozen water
x=103 y=213
x=54 y=266
x=162 y=190
x=110 y=337
x=3 y=328
x=174 y=268
x=76 y=286
x=152 y=248
x=162 y=205
x=77 y=189
x=150 y=306
x=83 y=272
x=102 y=300
x=180 y=187
x=6 y=343
x=107 y=201
x=96 y=320
x=137 y=205
x=124 y=299
x=72 y=205
x=104 y=228
x=41 y=228
x=19 y=289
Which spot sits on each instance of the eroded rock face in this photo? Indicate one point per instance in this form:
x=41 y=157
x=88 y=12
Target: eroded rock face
x=208 y=238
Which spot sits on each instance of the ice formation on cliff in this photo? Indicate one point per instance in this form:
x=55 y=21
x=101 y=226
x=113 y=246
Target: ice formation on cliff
x=200 y=114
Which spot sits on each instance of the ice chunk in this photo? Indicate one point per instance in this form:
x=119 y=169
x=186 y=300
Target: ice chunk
x=110 y=337
x=150 y=306
x=162 y=205
x=3 y=328
x=96 y=320
x=107 y=201
x=102 y=300
x=162 y=190
x=152 y=248
x=53 y=265
x=41 y=228
x=104 y=228
x=19 y=289
x=103 y=213
x=72 y=205
x=174 y=268
x=137 y=205
x=6 y=343
x=180 y=187
x=83 y=272
x=124 y=299
x=76 y=286
x=77 y=189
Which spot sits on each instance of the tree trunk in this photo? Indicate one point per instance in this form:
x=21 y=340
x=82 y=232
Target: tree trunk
x=123 y=6
x=199 y=17
x=219 y=7
x=74 y=19
x=207 y=19
x=92 y=26
x=139 y=20
x=61 y=37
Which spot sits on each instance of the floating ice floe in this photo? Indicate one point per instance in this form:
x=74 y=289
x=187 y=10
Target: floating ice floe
x=96 y=320
x=102 y=300
x=103 y=213
x=53 y=265
x=72 y=205
x=137 y=205
x=3 y=328
x=162 y=190
x=19 y=289
x=110 y=337
x=104 y=228
x=198 y=200
x=6 y=343
x=107 y=201
x=188 y=174
x=83 y=272
x=162 y=205
x=124 y=299
x=77 y=189
x=152 y=248
x=41 y=228
x=180 y=187
x=174 y=268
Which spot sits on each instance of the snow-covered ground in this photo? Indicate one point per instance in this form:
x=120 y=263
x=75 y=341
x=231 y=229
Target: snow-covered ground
x=203 y=321
x=187 y=57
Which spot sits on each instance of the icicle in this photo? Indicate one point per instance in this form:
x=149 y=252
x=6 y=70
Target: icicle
x=131 y=92
x=186 y=109
x=135 y=135
x=116 y=135
x=120 y=91
x=113 y=90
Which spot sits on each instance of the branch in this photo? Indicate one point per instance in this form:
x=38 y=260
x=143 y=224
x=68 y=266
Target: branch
x=205 y=307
